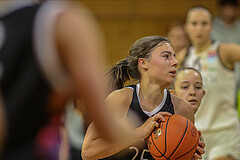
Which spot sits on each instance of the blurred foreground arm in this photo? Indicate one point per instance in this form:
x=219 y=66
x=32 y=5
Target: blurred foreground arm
x=80 y=46
x=2 y=124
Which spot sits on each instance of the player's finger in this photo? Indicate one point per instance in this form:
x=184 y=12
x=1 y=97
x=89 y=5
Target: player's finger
x=200 y=150
x=200 y=133
x=164 y=113
x=197 y=156
x=155 y=124
x=158 y=117
x=201 y=144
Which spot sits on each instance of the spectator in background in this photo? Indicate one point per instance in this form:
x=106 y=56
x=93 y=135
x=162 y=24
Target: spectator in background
x=178 y=39
x=226 y=27
x=177 y=36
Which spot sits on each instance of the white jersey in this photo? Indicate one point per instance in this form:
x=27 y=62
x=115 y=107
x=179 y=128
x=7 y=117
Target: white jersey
x=217 y=110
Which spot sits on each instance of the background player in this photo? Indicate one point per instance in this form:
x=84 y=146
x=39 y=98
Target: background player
x=217 y=117
x=189 y=86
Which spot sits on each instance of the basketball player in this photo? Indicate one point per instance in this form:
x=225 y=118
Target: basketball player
x=152 y=61
x=48 y=53
x=188 y=85
x=217 y=116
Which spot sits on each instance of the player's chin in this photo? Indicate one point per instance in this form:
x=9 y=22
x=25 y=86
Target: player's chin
x=168 y=84
x=195 y=108
x=170 y=79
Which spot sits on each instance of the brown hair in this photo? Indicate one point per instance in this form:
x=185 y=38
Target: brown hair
x=128 y=68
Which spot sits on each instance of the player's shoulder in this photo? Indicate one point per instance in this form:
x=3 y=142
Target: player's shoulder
x=225 y=48
x=123 y=94
x=181 y=104
x=120 y=100
x=182 y=107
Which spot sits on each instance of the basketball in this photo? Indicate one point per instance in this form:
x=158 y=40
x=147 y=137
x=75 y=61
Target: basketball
x=175 y=139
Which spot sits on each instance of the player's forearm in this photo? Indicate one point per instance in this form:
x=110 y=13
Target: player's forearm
x=2 y=124
x=99 y=148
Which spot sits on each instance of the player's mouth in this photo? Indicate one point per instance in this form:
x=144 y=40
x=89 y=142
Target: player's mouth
x=199 y=36
x=192 y=101
x=173 y=72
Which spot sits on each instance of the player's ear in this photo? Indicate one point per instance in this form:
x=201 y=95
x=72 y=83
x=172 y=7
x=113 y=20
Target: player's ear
x=204 y=92
x=143 y=63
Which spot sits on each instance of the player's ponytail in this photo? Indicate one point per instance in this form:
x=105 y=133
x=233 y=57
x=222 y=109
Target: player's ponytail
x=118 y=74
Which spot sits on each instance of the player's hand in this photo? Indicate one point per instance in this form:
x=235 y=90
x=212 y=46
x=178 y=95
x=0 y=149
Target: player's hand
x=152 y=122
x=200 y=148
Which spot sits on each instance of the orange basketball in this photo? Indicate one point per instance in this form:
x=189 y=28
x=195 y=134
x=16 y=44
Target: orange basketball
x=175 y=139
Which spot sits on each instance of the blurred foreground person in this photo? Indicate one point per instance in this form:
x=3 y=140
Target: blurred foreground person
x=48 y=53
x=2 y=124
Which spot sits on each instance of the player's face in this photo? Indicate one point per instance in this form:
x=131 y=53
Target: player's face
x=188 y=86
x=161 y=66
x=199 y=26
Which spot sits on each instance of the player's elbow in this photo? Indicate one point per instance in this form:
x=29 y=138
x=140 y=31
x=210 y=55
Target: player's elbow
x=87 y=154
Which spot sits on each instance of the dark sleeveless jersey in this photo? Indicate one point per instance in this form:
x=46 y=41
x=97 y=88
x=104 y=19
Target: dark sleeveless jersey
x=25 y=91
x=139 y=151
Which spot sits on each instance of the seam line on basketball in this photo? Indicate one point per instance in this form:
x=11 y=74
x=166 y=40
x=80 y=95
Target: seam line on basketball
x=188 y=151
x=166 y=135
x=180 y=140
x=157 y=149
x=163 y=155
